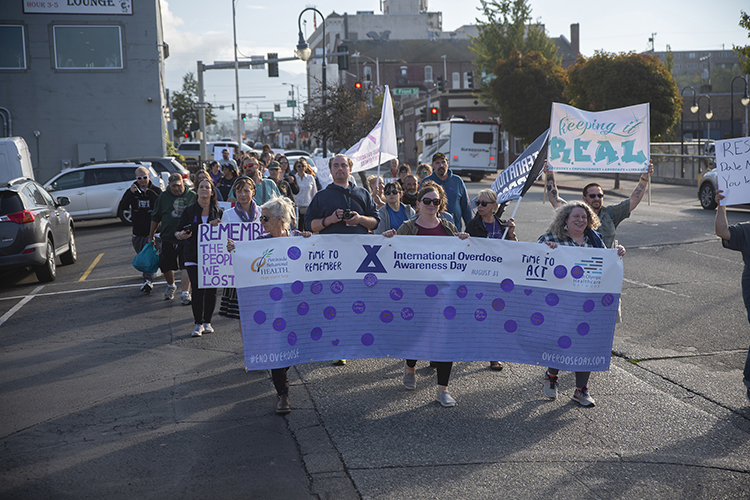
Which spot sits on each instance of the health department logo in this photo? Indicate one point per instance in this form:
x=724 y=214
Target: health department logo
x=588 y=272
x=259 y=262
x=371 y=263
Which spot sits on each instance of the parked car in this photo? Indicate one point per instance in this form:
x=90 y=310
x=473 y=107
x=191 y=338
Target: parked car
x=707 y=187
x=34 y=229
x=95 y=191
x=191 y=151
x=164 y=166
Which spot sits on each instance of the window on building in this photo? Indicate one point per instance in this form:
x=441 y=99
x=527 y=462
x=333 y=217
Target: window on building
x=691 y=55
x=677 y=55
x=428 y=73
x=367 y=73
x=692 y=65
x=12 y=47
x=86 y=47
x=456 y=83
x=678 y=66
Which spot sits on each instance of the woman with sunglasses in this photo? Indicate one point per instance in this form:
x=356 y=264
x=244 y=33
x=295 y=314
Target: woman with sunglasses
x=432 y=202
x=277 y=216
x=287 y=174
x=305 y=179
x=575 y=225
x=203 y=211
x=393 y=213
x=245 y=210
x=487 y=224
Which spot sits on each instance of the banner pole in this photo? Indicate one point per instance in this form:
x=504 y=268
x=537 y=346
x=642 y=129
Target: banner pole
x=513 y=214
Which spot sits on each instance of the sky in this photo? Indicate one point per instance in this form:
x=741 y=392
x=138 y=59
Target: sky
x=202 y=30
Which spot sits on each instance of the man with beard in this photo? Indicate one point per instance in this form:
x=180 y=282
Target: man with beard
x=610 y=216
x=410 y=191
x=454 y=187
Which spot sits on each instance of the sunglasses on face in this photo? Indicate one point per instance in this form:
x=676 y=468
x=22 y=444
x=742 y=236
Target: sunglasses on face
x=422 y=172
x=390 y=192
x=484 y=203
x=434 y=201
x=597 y=195
x=264 y=218
x=140 y=177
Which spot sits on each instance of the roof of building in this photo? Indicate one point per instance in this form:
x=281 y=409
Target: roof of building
x=424 y=51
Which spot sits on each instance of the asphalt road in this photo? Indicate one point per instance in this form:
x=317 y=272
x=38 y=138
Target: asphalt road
x=105 y=394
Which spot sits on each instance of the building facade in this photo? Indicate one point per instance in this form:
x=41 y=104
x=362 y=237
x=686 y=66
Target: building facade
x=83 y=82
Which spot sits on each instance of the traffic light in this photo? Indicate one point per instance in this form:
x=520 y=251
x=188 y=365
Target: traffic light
x=470 y=79
x=273 y=67
x=358 y=89
x=424 y=114
x=433 y=114
x=343 y=59
x=440 y=84
x=244 y=117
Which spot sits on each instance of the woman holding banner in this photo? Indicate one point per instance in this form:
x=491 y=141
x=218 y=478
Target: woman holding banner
x=245 y=210
x=487 y=224
x=203 y=211
x=431 y=203
x=575 y=225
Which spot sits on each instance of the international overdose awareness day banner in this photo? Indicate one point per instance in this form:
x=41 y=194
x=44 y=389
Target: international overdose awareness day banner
x=511 y=182
x=733 y=170
x=215 y=264
x=616 y=140
x=424 y=297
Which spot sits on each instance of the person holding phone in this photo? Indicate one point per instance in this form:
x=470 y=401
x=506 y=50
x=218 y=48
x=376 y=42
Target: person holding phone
x=140 y=200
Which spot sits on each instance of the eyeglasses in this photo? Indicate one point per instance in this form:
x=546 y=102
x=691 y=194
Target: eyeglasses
x=597 y=195
x=422 y=172
x=264 y=218
x=284 y=161
x=485 y=203
x=140 y=177
x=390 y=192
x=434 y=201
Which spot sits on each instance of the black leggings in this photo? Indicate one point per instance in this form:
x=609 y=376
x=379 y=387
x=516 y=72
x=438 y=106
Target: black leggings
x=280 y=380
x=443 y=370
x=204 y=299
x=582 y=378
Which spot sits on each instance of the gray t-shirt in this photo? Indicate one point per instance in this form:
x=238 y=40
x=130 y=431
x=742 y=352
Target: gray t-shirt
x=610 y=217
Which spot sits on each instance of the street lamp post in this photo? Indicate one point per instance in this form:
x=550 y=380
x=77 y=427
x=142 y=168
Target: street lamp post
x=745 y=99
x=709 y=115
x=303 y=52
x=377 y=65
x=693 y=109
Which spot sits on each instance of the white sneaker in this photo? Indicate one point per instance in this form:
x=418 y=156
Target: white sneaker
x=169 y=294
x=146 y=287
x=186 y=298
x=198 y=331
x=207 y=328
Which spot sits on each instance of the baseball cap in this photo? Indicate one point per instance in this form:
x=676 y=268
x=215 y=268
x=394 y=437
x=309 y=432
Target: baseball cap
x=274 y=165
x=175 y=178
x=439 y=156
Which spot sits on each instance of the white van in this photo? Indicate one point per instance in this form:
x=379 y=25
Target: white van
x=15 y=159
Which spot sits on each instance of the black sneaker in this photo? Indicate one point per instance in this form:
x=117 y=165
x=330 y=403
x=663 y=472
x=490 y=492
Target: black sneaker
x=147 y=286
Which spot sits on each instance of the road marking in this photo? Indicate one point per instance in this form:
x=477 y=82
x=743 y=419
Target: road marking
x=91 y=267
x=97 y=289
x=646 y=285
x=5 y=317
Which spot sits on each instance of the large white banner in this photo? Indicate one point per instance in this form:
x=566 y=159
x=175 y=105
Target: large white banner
x=418 y=297
x=380 y=144
x=733 y=170
x=616 y=140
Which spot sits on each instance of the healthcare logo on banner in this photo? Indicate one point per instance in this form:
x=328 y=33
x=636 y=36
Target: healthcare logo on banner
x=511 y=183
x=733 y=170
x=616 y=140
x=356 y=296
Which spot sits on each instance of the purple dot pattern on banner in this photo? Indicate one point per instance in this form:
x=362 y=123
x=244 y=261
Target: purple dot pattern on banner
x=480 y=315
x=279 y=324
x=560 y=272
x=386 y=316
x=564 y=342
x=407 y=313
x=527 y=292
x=316 y=333
x=588 y=306
x=576 y=272
x=608 y=299
x=431 y=290
x=370 y=280
x=298 y=287
x=277 y=293
x=498 y=304
x=259 y=317
x=507 y=285
x=462 y=292
x=358 y=307
x=329 y=312
x=449 y=312
x=397 y=294
x=337 y=287
x=537 y=319
x=316 y=287
x=303 y=308
x=291 y=338
x=294 y=253
x=583 y=329
x=368 y=339
x=335 y=342
x=552 y=299
x=510 y=326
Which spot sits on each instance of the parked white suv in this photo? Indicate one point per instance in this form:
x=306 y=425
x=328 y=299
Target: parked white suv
x=95 y=190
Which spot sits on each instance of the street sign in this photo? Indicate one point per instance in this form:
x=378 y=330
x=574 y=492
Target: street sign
x=199 y=105
x=291 y=104
x=406 y=91
x=488 y=78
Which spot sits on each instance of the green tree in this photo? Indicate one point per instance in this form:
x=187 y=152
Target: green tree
x=507 y=27
x=525 y=88
x=744 y=52
x=608 y=81
x=345 y=119
x=183 y=105
x=669 y=60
